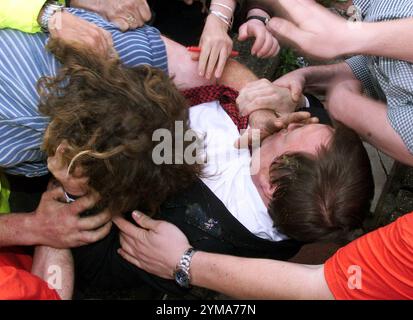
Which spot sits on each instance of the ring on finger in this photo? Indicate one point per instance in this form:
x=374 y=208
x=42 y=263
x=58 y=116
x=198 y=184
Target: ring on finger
x=130 y=19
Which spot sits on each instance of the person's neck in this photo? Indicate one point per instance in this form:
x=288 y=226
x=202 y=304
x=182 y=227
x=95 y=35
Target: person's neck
x=258 y=179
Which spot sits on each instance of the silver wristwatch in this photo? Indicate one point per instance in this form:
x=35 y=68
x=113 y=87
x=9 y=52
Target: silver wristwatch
x=182 y=276
x=49 y=10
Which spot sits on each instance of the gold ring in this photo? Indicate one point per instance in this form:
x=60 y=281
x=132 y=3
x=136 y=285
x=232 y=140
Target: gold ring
x=130 y=19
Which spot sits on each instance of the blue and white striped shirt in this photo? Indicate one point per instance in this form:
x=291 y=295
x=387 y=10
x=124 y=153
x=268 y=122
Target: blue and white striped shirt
x=23 y=60
x=388 y=79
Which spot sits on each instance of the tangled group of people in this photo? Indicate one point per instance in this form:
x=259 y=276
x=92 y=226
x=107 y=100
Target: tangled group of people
x=126 y=159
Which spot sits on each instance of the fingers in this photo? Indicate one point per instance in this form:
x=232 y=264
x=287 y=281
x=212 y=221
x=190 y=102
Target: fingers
x=296 y=91
x=126 y=227
x=145 y=11
x=264 y=102
x=144 y=221
x=94 y=222
x=87 y=237
x=121 y=23
x=82 y=204
x=223 y=57
x=129 y=258
x=312 y=120
x=261 y=94
x=243 y=32
x=56 y=193
x=295 y=117
x=127 y=243
x=285 y=30
x=270 y=47
x=212 y=61
x=259 y=45
x=203 y=59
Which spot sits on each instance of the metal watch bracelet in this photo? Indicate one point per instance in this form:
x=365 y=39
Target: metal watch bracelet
x=49 y=10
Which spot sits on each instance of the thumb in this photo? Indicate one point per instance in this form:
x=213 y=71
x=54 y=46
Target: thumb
x=285 y=30
x=296 y=91
x=144 y=221
x=243 y=32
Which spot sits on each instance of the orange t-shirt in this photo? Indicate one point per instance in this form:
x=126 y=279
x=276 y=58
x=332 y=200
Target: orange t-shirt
x=378 y=265
x=16 y=281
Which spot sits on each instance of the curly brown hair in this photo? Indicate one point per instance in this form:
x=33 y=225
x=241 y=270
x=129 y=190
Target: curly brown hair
x=107 y=113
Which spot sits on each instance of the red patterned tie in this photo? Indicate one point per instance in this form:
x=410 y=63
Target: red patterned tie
x=225 y=95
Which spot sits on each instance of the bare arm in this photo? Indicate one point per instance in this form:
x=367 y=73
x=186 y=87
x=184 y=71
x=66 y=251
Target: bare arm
x=184 y=69
x=303 y=23
x=369 y=119
x=55 y=266
x=18 y=230
x=244 y=278
x=150 y=248
x=387 y=39
x=55 y=223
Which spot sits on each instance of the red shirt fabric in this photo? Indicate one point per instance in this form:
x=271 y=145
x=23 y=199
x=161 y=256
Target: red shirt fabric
x=16 y=281
x=377 y=266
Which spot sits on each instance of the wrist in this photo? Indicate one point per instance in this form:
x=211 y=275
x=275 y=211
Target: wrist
x=49 y=10
x=215 y=20
x=223 y=10
x=182 y=273
x=29 y=229
x=258 y=12
x=354 y=39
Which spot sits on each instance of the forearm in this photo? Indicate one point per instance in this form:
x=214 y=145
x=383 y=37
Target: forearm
x=18 y=230
x=236 y=75
x=387 y=39
x=369 y=119
x=318 y=79
x=55 y=266
x=258 y=279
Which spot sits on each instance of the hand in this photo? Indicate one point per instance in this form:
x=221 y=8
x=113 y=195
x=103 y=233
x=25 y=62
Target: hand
x=265 y=45
x=312 y=29
x=125 y=14
x=295 y=81
x=262 y=94
x=59 y=224
x=71 y=29
x=268 y=123
x=216 y=47
x=154 y=246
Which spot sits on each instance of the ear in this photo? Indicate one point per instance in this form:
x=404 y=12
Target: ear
x=268 y=189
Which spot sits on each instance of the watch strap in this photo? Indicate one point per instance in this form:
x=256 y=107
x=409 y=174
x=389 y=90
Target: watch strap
x=185 y=262
x=49 y=10
x=264 y=20
x=182 y=269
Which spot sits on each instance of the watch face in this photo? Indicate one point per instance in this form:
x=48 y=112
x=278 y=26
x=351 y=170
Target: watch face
x=182 y=278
